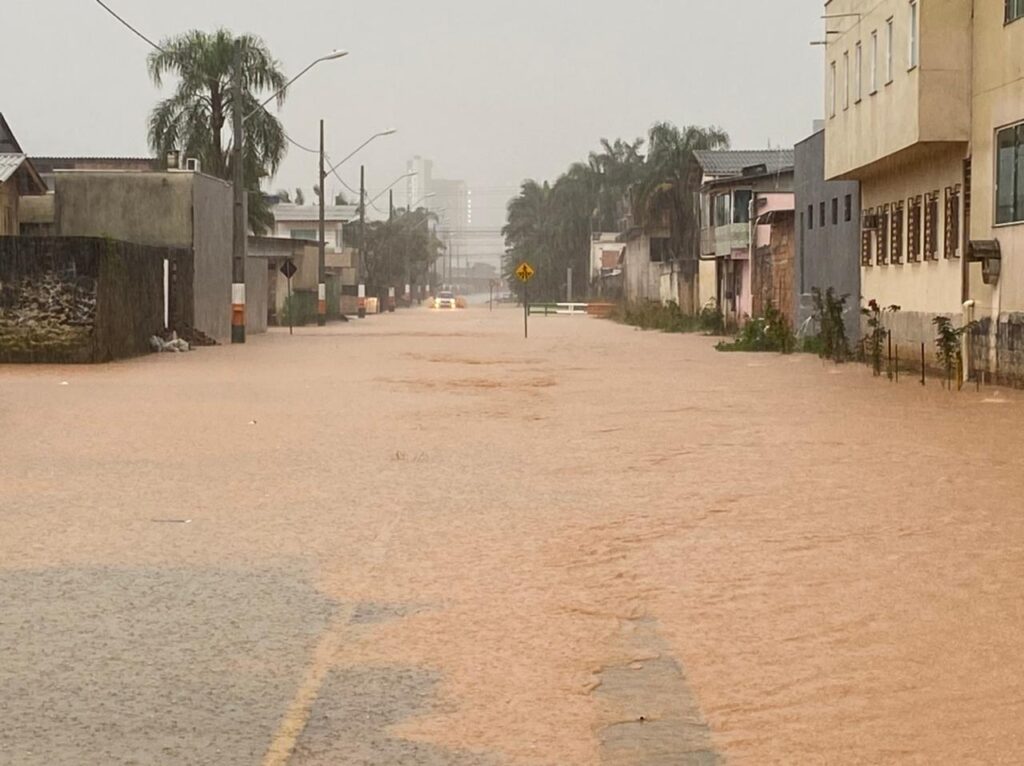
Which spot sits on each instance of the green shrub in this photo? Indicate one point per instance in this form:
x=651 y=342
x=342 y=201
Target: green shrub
x=299 y=309
x=768 y=333
x=828 y=314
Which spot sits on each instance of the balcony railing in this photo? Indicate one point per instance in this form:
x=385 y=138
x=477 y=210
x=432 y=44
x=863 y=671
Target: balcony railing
x=735 y=236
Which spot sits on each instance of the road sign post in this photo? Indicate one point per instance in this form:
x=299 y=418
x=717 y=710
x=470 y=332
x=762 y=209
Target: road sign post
x=524 y=273
x=288 y=268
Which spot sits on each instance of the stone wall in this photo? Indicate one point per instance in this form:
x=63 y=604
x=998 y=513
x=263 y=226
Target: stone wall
x=80 y=300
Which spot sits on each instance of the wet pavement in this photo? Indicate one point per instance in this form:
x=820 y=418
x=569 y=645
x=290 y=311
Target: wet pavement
x=419 y=539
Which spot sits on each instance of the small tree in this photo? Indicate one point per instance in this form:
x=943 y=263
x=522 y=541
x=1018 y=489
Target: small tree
x=828 y=314
x=875 y=339
x=948 y=343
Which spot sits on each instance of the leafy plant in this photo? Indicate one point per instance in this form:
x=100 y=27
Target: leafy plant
x=829 y=309
x=875 y=339
x=768 y=333
x=711 y=320
x=948 y=343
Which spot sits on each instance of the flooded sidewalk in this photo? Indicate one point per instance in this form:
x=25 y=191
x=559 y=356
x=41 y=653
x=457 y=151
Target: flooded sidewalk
x=421 y=539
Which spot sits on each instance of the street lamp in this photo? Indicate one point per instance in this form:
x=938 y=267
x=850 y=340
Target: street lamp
x=240 y=228
x=321 y=305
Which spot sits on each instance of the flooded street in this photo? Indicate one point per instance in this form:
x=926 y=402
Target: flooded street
x=420 y=539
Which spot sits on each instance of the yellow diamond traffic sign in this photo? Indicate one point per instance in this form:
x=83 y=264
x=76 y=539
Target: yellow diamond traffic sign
x=525 y=272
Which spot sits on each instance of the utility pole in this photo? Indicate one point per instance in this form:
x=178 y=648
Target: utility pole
x=321 y=287
x=362 y=241
x=238 y=242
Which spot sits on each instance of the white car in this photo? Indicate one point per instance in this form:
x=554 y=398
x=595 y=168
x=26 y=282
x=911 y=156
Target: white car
x=445 y=300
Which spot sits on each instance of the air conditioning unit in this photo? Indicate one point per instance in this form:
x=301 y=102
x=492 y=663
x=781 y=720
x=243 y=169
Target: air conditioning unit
x=192 y=164
x=990 y=255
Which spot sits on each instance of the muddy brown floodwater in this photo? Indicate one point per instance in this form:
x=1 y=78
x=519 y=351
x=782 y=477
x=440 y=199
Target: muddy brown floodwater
x=420 y=539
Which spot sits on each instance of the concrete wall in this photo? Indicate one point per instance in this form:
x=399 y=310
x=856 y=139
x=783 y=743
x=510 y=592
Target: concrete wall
x=642 y=278
x=826 y=256
x=926 y=103
x=174 y=209
x=211 y=212
x=927 y=287
x=73 y=299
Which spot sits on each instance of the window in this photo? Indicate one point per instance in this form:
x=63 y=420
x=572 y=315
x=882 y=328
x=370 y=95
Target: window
x=310 y=234
x=873 y=84
x=896 y=233
x=914 y=229
x=931 y=226
x=858 y=68
x=821 y=218
x=913 y=46
x=741 y=205
x=835 y=211
x=810 y=217
x=846 y=80
x=1010 y=174
x=848 y=208
x=882 y=238
x=659 y=250
x=832 y=90
x=723 y=212
x=867 y=231
x=1014 y=10
x=951 y=235
x=889 y=42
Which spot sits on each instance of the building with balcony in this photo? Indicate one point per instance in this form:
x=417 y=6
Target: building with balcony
x=740 y=192
x=925 y=107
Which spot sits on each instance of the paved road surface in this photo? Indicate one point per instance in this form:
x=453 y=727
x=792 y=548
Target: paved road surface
x=418 y=539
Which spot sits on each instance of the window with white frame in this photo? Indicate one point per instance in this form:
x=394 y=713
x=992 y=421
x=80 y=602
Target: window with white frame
x=846 y=79
x=873 y=82
x=890 y=40
x=914 y=46
x=832 y=90
x=1010 y=174
x=1014 y=10
x=858 y=68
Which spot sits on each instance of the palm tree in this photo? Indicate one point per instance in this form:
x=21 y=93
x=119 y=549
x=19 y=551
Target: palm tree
x=194 y=119
x=665 y=197
x=619 y=166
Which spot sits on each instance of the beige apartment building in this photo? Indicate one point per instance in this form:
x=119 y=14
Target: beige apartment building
x=925 y=107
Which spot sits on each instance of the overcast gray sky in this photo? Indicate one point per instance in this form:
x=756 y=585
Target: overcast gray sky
x=493 y=92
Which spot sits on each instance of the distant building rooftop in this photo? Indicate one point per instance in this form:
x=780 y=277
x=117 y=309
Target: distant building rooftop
x=733 y=162
x=289 y=212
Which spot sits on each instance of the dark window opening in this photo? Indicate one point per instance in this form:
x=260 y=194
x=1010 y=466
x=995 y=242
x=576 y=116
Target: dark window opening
x=931 y=226
x=1010 y=174
x=914 y=229
x=741 y=205
x=848 y=208
x=896 y=233
x=1014 y=10
x=822 y=214
x=835 y=211
x=951 y=242
x=659 y=250
x=810 y=217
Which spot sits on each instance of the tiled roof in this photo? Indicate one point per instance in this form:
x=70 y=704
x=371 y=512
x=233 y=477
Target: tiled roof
x=9 y=164
x=732 y=163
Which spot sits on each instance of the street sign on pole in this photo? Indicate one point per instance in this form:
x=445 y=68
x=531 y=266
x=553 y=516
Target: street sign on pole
x=524 y=273
x=289 y=270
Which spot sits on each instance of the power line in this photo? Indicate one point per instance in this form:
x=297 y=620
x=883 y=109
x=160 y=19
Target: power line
x=109 y=10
